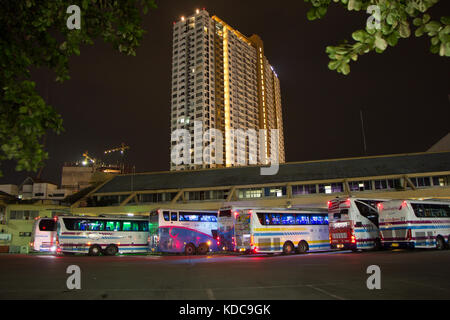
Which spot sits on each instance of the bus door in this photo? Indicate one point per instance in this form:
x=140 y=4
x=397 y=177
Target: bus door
x=366 y=223
x=225 y=230
x=153 y=238
x=242 y=231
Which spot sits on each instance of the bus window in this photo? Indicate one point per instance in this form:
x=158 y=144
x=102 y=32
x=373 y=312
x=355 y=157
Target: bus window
x=126 y=226
x=47 y=225
x=266 y=219
x=166 y=215
x=418 y=210
x=287 y=219
x=174 y=216
x=225 y=214
x=208 y=217
x=275 y=218
x=134 y=226
x=317 y=220
x=143 y=226
x=261 y=218
x=90 y=225
x=112 y=225
x=367 y=212
x=188 y=217
x=301 y=219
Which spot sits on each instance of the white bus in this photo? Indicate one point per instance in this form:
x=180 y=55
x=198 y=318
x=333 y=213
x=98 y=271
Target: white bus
x=98 y=235
x=415 y=224
x=183 y=231
x=281 y=230
x=43 y=235
x=354 y=223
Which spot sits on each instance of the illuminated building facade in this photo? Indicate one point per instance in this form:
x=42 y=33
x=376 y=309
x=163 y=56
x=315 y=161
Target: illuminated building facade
x=222 y=79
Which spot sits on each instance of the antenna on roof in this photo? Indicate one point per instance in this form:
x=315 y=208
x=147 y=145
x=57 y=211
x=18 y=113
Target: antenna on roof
x=363 y=132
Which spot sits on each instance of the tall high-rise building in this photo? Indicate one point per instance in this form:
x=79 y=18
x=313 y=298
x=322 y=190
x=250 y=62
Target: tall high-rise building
x=223 y=80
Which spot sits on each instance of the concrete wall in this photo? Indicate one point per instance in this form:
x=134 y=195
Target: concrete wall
x=76 y=178
x=10 y=189
x=16 y=227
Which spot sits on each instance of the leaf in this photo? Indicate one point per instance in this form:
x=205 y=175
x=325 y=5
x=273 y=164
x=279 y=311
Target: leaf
x=392 y=40
x=311 y=15
x=359 y=35
x=404 y=30
x=381 y=44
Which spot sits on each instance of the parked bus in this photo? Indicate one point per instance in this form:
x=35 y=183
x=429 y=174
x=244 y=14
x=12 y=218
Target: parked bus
x=415 y=224
x=43 y=235
x=183 y=231
x=281 y=230
x=354 y=223
x=98 y=235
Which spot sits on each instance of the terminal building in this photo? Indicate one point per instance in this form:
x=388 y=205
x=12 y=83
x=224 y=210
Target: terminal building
x=299 y=185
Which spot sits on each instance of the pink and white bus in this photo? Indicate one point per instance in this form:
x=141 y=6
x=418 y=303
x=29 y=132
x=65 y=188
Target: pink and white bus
x=353 y=223
x=415 y=224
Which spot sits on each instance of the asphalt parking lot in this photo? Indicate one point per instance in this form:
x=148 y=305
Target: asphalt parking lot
x=405 y=274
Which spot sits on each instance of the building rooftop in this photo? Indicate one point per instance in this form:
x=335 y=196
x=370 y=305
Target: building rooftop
x=442 y=145
x=290 y=172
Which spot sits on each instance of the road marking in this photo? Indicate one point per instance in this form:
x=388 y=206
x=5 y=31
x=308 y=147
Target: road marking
x=423 y=285
x=210 y=294
x=324 y=292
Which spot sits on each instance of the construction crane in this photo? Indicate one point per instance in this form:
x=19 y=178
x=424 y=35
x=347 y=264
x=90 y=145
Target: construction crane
x=88 y=159
x=123 y=147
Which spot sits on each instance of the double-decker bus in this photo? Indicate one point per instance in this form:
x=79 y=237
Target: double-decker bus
x=99 y=235
x=43 y=235
x=281 y=230
x=354 y=223
x=415 y=224
x=183 y=231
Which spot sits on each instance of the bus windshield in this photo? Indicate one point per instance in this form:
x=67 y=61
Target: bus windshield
x=47 y=225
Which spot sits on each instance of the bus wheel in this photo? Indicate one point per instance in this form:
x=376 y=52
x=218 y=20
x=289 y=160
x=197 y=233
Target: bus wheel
x=288 y=248
x=440 y=243
x=69 y=253
x=203 y=249
x=302 y=247
x=189 y=250
x=111 y=250
x=95 y=250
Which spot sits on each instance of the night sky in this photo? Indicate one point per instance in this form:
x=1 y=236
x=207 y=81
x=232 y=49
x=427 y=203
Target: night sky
x=112 y=98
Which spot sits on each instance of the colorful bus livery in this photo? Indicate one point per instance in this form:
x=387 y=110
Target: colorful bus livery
x=278 y=230
x=183 y=231
x=415 y=224
x=354 y=223
x=108 y=236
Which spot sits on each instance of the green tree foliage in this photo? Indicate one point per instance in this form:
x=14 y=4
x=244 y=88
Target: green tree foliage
x=34 y=34
x=397 y=18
